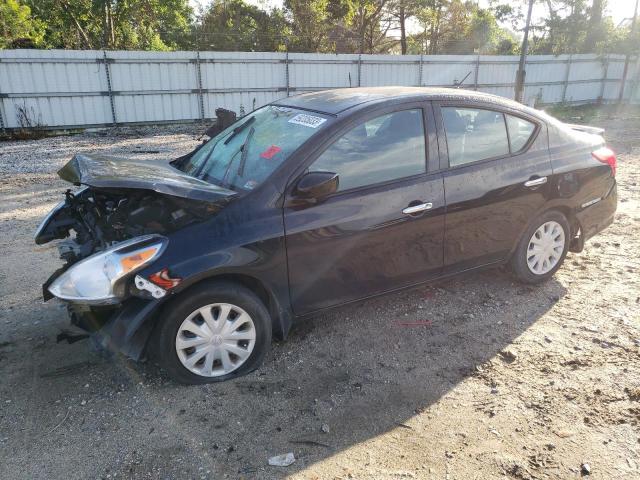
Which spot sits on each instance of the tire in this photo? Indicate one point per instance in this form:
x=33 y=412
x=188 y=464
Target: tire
x=525 y=254
x=186 y=314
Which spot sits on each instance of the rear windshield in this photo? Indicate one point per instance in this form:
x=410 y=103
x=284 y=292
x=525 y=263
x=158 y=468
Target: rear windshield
x=245 y=154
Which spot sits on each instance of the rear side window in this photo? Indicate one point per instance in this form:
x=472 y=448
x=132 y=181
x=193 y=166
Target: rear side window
x=520 y=132
x=474 y=134
x=385 y=148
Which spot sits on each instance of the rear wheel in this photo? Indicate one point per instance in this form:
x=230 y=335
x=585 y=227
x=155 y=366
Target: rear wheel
x=217 y=331
x=542 y=248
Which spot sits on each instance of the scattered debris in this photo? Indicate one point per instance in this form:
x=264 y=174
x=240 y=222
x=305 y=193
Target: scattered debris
x=325 y=428
x=283 y=460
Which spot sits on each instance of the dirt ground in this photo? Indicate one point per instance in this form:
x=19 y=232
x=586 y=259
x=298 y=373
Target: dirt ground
x=498 y=380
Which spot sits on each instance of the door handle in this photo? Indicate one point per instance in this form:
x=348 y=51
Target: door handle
x=417 y=208
x=535 y=182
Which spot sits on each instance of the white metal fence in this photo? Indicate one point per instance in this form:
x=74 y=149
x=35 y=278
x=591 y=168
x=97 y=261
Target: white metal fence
x=69 y=89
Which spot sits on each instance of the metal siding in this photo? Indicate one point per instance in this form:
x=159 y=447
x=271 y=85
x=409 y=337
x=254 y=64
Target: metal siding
x=438 y=71
x=69 y=88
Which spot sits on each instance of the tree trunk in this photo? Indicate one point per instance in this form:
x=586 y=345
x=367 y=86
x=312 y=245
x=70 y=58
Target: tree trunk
x=594 y=32
x=79 y=28
x=403 y=32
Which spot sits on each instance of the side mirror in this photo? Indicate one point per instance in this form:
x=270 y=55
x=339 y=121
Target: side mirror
x=317 y=185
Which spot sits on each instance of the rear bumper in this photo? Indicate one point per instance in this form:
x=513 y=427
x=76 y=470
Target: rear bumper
x=598 y=216
x=125 y=329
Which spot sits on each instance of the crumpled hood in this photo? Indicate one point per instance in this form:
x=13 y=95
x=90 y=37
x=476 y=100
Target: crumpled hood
x=108 y=172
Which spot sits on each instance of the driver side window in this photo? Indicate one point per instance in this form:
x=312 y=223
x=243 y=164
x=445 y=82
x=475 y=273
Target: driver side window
x=387 y=147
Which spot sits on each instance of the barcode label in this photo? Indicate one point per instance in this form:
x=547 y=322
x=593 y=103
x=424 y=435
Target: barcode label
x=307 y=120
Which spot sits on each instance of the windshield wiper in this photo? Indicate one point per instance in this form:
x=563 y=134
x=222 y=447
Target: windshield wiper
x=238 y=129
x=245 y=152
x=243 y=157
x=234 y=132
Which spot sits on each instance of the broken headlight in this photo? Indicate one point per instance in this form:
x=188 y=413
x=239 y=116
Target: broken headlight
x=98 y=279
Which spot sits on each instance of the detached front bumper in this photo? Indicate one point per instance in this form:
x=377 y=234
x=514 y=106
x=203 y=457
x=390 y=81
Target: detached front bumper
x=124 y=328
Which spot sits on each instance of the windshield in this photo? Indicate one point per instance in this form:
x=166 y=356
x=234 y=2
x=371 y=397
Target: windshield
x=245 y=154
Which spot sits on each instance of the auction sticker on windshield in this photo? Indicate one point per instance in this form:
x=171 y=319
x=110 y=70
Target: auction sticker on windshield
x=307 y=120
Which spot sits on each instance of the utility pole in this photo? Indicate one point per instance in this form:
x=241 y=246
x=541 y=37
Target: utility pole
x=628 y=55
x=520 y=76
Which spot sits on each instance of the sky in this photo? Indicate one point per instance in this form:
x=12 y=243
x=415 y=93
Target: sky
x=618 y=9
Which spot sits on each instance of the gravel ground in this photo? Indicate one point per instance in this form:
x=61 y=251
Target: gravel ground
x=500 y=379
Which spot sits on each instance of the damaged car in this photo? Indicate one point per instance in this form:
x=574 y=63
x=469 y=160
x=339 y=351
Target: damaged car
x=313 y=202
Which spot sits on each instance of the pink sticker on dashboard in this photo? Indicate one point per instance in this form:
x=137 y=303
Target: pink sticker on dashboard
x=270 y=152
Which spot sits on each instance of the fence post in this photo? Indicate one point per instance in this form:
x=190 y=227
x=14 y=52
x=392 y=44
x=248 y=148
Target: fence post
x=3 y=128
x=2 y=125
x=109 y=87
x=420 y=71
x=603 y=84
x=636 y=80
x=286 y=67
x=566 y=79
x=475 y=77
x=359 y=69
x=199 y=80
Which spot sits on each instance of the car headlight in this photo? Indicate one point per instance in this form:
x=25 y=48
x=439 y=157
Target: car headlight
x=97 y=279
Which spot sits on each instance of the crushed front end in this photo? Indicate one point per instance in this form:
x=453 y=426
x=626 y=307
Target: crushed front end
x=107 y=234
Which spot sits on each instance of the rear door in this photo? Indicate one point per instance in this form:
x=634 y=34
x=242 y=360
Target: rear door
x=496 y=178
x=362 y=240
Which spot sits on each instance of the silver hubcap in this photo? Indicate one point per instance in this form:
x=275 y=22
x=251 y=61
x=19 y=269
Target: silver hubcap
x=215 y=339
x=545 y=248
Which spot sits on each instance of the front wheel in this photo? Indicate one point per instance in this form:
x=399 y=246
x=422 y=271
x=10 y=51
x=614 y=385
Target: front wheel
x=217 y=331
x=542 y=248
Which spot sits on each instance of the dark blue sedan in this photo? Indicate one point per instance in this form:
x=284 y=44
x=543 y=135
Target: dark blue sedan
x=312 y=202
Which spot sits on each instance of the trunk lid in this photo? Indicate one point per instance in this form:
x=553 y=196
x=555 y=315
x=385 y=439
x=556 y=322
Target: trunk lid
x=110 y=172
x=586 y=129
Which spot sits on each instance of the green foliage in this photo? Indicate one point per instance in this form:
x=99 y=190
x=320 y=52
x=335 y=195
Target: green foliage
x=345 y=26
x=461 y=27
x=579 y=26
x=17 y=26
x=236 y=25
x=114 y=24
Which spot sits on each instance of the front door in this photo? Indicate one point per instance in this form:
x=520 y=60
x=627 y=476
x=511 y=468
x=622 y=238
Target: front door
x=383 y=229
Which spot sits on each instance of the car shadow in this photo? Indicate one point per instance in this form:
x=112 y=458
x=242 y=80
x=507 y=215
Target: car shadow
x=340 y=379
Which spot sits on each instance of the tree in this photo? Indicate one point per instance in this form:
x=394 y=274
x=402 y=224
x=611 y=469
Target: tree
x=310 y=24
x=17 y=26
x=577 y=26
x=459 y=27
x=401 y=11
x=114 y=24
x=236 y=25
x=595 y=29
x=365 y=19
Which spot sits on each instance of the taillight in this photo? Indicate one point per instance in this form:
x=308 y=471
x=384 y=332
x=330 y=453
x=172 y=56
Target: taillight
x=606 y=155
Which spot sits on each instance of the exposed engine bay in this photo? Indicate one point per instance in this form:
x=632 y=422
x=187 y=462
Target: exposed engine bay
x=100 y=218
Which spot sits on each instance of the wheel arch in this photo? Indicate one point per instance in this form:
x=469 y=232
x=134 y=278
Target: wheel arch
x=565 y=210
x=281 y=316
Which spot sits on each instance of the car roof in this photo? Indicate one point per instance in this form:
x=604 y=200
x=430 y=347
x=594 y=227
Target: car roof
x=339 y=100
